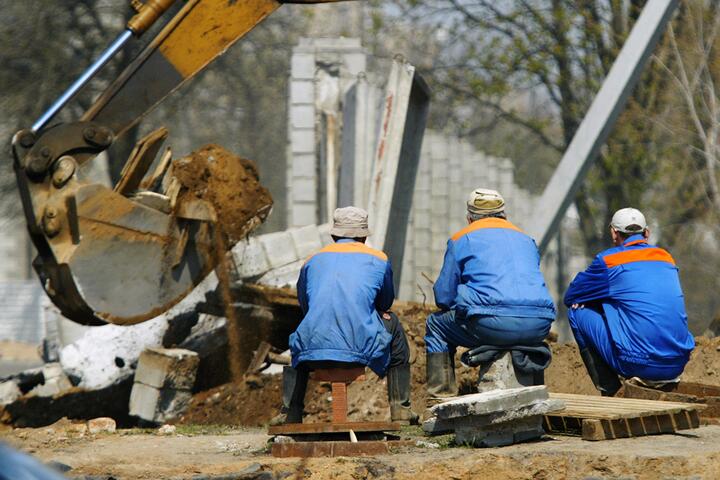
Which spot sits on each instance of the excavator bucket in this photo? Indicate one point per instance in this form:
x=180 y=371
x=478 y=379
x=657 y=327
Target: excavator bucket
x=126 y=255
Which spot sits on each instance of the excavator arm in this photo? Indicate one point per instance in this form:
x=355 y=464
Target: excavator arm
x=127 y=254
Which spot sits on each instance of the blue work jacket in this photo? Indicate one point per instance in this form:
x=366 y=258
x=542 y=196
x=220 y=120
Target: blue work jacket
x=492 y=268
x=639 y=289
x=340 y=291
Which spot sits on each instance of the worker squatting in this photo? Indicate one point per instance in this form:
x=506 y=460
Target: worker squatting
x=626 y=310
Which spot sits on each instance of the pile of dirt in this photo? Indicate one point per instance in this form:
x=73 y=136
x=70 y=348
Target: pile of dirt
x=256 y=400
x=229 y=183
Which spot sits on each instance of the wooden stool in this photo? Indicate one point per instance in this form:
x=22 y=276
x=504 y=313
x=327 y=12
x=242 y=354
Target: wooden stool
x=339 y=437
x=339 y=379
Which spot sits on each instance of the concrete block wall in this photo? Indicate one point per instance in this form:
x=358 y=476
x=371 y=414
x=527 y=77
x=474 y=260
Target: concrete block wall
x=346 y=59
x=275 y=259
x=449 y=169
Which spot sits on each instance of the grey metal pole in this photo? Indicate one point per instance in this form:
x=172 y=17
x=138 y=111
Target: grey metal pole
x=600 y=119
x=82 y=80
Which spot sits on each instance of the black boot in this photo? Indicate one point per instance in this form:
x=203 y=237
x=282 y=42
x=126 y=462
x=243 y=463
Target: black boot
x=440 y=376
x=294 y=386
x=398 y=386
x=603 y=377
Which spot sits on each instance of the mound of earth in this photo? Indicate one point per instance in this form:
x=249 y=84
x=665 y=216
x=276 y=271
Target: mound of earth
x=254 y=401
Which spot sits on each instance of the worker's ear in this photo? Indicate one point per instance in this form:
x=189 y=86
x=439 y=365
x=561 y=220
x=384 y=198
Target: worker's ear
x=616 y=239
x=646 y=233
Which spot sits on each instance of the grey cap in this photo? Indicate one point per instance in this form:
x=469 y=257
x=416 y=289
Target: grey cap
x=485 y=201
x=629 y=220
x=351 y=222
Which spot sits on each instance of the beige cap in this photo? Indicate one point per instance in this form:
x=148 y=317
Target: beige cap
x=485 y=201
x=628 y=220
x=351 y=222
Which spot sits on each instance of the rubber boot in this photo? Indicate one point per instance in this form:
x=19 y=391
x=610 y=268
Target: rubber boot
x=294 y=386
x=603 y=377
x=398 y=386
x=440 y=377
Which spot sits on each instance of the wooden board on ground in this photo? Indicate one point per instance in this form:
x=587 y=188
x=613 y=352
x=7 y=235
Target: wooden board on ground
x=335 y=449
x=607 y=418
x=315 y=428
x=686 y=392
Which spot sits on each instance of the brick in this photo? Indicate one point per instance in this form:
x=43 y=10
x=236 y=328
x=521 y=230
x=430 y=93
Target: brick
x=490 y=402
x=285 y=276
x=302 y=65
x=303 y=165
x=167 y=368
x=279 y=249
x=306 y=240
x=253 y=261
x=302 y=116
x=302 y=140
x=302 y=91
x=324 y=231
x=303 y=213
x=157 y=405
x=304 y=190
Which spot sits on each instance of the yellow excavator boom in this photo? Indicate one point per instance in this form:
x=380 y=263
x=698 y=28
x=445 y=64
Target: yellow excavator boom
x=127 y=254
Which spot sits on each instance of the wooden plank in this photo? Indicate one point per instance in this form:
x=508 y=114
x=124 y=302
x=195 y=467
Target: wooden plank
x=259 y=357
x=329 y=449
x=620 y=402
x=314 y=428
x=339 y=402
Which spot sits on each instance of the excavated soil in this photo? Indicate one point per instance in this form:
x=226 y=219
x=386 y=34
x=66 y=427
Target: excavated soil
x=228 y=182
x=254 y=401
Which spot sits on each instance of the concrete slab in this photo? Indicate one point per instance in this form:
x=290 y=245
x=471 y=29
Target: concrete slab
x=250 y=260
x=435 y=426
x=490 y=402
x=279 y=248
x=167 y=368
x=157 y=405
x=306 y=240
x=508 y=433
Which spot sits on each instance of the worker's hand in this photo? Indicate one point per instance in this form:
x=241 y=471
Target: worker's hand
x=575 y=306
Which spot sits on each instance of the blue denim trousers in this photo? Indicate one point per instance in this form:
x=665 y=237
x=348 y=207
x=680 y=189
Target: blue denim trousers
x=444 y=332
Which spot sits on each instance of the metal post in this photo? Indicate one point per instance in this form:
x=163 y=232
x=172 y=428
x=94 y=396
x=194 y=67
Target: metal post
x=600 y=119
x=73 y=89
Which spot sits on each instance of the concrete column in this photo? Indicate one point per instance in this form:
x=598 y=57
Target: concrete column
x=322 y=71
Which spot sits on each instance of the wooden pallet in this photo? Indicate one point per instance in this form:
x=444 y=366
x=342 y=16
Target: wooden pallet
x=607 y=418
x=684 y=392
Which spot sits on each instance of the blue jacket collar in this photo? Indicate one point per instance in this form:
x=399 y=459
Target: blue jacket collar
x=345 y=240
x=634 y=240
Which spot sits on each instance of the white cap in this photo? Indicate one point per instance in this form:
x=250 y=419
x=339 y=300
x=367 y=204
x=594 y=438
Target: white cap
x=485 y=201
x=350 y=222
x=629 y=220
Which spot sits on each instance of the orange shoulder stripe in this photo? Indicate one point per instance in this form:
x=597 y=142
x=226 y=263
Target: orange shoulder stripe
x=635 y=242
x=639 y=255
x=355 y=247
x=491 y=222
